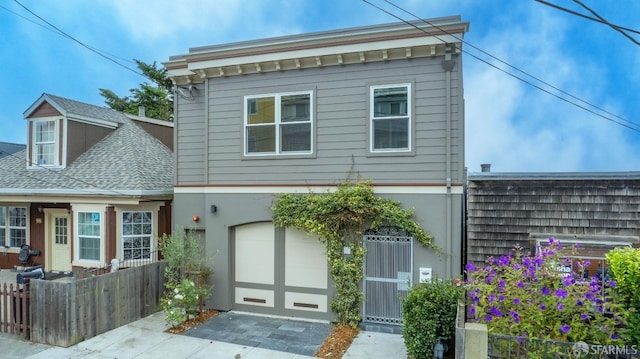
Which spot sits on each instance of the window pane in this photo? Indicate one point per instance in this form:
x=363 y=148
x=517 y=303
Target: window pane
x=45 y=131
x=390 y=102
x=89 y=235
x=137 y=236
x=261 y=138
x=392 y=133
x=89 y=248
x=3 y=236
x=296 y=137
x=295 y=108
x=261 y=110
x=17 y=216
x=3 y=216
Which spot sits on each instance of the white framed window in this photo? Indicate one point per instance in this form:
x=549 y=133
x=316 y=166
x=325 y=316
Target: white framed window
x=13 y=226
x=89 y=231
x=137 y=235
x=278 y=124
x=390 y=115
x=45 y=143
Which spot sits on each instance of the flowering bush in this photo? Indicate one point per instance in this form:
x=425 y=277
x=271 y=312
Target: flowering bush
x=539 y=297
x=182 y=301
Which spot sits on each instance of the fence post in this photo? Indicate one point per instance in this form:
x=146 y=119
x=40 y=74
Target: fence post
x=476 y=341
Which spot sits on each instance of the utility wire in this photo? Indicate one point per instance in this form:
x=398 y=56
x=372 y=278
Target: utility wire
x=604 y=21
x=631 y=125
x=558 y=7
x=78 y=41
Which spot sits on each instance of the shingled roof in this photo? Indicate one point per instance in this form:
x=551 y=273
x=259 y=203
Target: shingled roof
x=127 y=162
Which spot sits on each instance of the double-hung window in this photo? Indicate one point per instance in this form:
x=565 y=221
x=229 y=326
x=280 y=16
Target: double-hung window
x=137 y=235
x=89 y=236
x=278 y=124
x=390 y=115
x=13 y=226
x=45 y=146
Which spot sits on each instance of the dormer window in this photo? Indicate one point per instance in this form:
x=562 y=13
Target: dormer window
x=45 y=143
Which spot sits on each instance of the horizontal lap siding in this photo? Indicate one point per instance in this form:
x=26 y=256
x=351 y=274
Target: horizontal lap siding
x=189 y=145
x=341 y=115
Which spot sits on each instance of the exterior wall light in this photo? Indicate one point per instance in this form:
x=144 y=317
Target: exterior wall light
x=196 y=218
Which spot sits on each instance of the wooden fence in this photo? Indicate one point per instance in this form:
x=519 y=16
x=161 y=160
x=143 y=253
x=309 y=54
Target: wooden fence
x=66 y=313
x=14 y=310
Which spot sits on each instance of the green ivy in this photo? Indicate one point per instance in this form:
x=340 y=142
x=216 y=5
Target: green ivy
x=339 y=219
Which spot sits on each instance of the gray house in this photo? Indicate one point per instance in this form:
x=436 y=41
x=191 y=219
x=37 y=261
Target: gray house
x=303 y=113
x=597 y=211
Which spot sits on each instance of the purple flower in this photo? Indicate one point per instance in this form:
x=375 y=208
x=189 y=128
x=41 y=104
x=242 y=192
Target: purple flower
x=520 y=284
x=516 y=301
x=565 y=329
x=614 y=336
x=501 y=285
x=501 y=298
x=584 y=316
x=579 y=303
x=612 y=283
x=561 y=293
x=560 y=306
x=545 y=290
x=487 y=318
x=550 y=240
x=492 y=297
x=472 y=311
x=496 y=312
x=470 y=267
x=515 y=315
x=543 y=307
x=516 y=266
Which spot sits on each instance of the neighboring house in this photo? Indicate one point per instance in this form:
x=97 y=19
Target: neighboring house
x=7 y=148
x=92 y=185
x=599 y=211
x=303 y=113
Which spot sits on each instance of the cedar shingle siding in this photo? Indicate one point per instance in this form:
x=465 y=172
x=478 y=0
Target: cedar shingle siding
x=503 y=212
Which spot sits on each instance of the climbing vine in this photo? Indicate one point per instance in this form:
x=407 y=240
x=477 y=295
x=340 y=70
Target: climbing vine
x=339 y=218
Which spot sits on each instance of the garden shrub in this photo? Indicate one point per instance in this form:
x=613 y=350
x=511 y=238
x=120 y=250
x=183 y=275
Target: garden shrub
x=187 y=274
x=624 y=265
x=529 y=297
x=429 y=313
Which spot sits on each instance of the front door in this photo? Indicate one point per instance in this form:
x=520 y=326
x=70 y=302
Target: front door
x=58 y=237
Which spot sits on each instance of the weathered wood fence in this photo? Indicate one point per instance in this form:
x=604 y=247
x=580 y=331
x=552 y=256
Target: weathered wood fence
x=14 y=310
x=66 y=313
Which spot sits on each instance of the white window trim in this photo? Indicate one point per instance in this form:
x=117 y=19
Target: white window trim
x=277 y=99
x=408 y=117
x=33 y=161
x=154 y=208
x=76 y=240
x=150 y=235
x=7 y=228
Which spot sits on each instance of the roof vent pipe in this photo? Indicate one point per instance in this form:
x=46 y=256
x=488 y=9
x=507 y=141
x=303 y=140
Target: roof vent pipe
x=486 y=167
x=141 y=111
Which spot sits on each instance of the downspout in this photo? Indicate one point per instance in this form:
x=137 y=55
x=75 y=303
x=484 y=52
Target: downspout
x=447 y=66
x=205 y=179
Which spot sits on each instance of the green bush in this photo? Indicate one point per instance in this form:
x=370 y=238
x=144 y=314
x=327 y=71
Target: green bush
x=624 y=266
x=429 y=312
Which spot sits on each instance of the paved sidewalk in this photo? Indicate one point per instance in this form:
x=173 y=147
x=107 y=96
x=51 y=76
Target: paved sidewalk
x=146 y=338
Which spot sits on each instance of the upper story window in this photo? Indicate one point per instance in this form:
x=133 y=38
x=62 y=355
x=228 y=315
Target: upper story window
x=278 y=124
x=390 y=125
x=13 y=226
x=45 y=143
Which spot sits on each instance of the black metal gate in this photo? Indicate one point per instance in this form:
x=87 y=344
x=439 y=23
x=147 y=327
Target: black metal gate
x=388 y=271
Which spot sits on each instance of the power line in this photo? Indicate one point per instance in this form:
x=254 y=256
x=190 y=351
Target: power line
x=604 y=21
x=558 y=7
x=62 y=33
x=631 y=125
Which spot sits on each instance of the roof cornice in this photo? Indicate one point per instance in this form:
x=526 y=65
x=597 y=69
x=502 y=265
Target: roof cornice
x=331 y=48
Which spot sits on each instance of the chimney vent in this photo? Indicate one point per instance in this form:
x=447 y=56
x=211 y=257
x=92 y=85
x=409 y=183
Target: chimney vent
x=141 y=111
x=486 y=167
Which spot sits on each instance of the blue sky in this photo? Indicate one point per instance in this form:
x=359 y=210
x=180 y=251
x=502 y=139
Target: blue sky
x=509 y=124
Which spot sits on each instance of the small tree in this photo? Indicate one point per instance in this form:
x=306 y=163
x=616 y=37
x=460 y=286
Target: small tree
x=185 y=257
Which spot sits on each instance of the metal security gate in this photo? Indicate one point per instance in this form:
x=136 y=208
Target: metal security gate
x=388 y=270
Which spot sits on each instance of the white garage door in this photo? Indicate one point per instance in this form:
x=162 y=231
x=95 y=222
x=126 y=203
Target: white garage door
x=280 y=272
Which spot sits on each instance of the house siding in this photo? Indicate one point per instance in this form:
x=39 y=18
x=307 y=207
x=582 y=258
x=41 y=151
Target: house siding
x=505 y=212
x=341 y=127
x=81 y=137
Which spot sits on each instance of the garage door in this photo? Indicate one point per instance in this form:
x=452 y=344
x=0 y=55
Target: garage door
x=280 y=271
